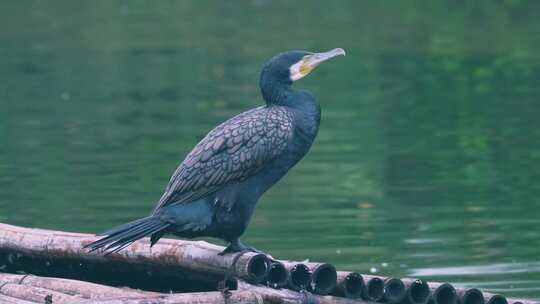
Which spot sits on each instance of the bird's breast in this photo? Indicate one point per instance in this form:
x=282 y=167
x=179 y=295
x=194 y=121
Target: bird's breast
x=306 y=126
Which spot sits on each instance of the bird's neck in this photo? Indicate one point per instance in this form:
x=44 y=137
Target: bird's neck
x=274 y=90
x=280 y=93
x=283 y=95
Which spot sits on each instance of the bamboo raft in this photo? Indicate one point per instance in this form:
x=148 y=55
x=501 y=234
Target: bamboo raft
x=45 y=266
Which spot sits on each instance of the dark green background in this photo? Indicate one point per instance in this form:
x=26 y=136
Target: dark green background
x=427 y=162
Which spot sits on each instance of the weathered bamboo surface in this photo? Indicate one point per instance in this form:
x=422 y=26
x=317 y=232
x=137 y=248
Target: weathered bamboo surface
x=27 y=289
x=61 y=254
x=18 y=284
x=21 y=289
x=172 y=266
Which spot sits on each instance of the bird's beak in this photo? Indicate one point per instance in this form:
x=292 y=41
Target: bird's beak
x=311 y=61
x=315 y=59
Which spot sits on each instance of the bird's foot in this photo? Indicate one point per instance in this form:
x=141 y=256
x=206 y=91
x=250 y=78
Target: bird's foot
x=238 y=246
x=228 y=249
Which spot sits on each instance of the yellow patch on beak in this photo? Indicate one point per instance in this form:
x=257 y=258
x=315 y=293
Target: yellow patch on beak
x=305 y=67
x=301 y=68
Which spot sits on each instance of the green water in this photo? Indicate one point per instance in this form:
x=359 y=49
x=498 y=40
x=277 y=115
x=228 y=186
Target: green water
x=428 y=157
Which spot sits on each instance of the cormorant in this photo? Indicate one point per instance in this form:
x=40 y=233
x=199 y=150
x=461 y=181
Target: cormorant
x=215 y=189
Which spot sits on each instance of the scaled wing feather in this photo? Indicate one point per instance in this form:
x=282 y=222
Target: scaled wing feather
x=232 y=152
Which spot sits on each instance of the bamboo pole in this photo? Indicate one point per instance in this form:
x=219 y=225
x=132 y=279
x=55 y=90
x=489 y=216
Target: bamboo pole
x=277 y=275
x=349 y=285
x=491 y=298
x=394 y=290
x=39 y=295
x=61 y=254
x=299 y=275
x=374 y=288
x=82 y=289
x=470 y=296
x=10 y=300
x=443 y=293
x=418 y=291
x=212 y=297
x=324 y=277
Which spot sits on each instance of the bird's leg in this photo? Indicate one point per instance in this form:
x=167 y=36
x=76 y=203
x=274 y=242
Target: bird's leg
x=234 y=246
x=237 y=246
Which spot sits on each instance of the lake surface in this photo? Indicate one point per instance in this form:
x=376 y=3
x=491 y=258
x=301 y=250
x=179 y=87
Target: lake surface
x=427 y=162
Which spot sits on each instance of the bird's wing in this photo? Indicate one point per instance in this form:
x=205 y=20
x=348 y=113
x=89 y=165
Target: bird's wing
x=233 y=151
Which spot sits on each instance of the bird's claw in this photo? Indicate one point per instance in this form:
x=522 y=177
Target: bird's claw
x=228 y=249
x=239 y=247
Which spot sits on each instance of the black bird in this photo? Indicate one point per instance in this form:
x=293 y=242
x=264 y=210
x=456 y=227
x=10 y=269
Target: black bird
x=215 y=189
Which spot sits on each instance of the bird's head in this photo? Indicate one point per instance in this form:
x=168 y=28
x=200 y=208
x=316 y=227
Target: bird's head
x=287 y=67
x=293 y=65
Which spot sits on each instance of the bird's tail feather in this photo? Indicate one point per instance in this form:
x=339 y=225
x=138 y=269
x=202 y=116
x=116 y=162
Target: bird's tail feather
x=124 y=235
